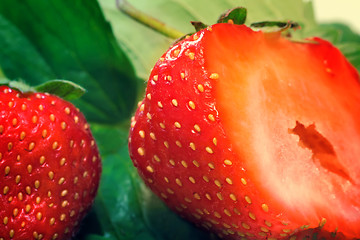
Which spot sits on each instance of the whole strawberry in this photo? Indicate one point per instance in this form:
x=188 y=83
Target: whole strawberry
x=49 y=166
x=253 y=136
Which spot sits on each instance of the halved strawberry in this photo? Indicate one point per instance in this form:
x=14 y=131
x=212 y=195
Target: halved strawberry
x=249 y=134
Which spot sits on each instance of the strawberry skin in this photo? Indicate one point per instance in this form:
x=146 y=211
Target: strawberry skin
x=49 y=166
x=250 y=135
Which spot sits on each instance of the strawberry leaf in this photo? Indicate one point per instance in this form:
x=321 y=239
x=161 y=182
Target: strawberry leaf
x=235 y=15
x=62 y=88
x=45 y=40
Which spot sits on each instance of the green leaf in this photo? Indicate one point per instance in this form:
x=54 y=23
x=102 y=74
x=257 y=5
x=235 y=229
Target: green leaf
x=144 y=46
x=54 y=39
x=236 y=15
x=62 y=88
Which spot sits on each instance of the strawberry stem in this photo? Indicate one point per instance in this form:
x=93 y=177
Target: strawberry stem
x=153 y=23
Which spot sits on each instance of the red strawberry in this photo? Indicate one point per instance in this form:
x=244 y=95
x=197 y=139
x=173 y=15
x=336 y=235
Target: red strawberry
x=251 y=135
x=49 y=166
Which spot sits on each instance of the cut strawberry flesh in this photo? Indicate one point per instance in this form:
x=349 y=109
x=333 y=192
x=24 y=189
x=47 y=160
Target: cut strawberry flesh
x=291 y=111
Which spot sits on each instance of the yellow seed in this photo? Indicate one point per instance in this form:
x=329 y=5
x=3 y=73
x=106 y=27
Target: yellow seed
x=6 y=190
x=152 y=135
x=233 y=197
x=184 y=164
x=162 y=125
x=29 y=168
x=267 y=223
x=174 y=102
x=248 y=199
x=166 y=144
x=141 y=151
x=206 y=179
x=15 y=212
x=177 y=125
x=196 y=163
x=10 y=146
x=192 y=180
x=61 y=181
x=322 y=222
x=228 y=162
x=148 y=115
x=200 y=87
x=211 y=165
x=216 y=214
x=156 y=158
x=243 y=181
x=7 y=170
x=64 y=203
x=160 y=104
x=208 y=196
x=150 y=169
x=62 y=217
x=227 y=212
x=217 y=183
x=67 y=110
x=155 y=77
x=178 y=182
x=211 y=117
x=52 y=117
x=220 y=197
x=55 y=145
x=64 y=193
x=252 y=216
x=176 y=52
x=197 y=196
x=237 y=212
x=39 y=216
x=28 y=190
x=192 y=105
x=44 y=133
x=76 y=119
x=244 y=225
x=5 y=220
x=37 y=184
x=169 y=78
x=142 y=133
x=192 y=146
x=51 y=175
x=23 y=107
x=148 y=96
x=214 y=76
x=178 y=143
x=265 y=207
x=172 y=162
x=52 y=221
x=14 y=122
x=42 y=160
x=11 y=233
x=229 y=181
x=209 y=150
x=197 y=128
x=63 y=125
x=182 y=75
x=192 y=55
x=17 y=179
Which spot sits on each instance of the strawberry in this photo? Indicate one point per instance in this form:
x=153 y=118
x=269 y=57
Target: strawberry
x=251 y=135
x=49 y=166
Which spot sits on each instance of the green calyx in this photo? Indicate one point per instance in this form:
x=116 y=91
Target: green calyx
x=62 y=88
